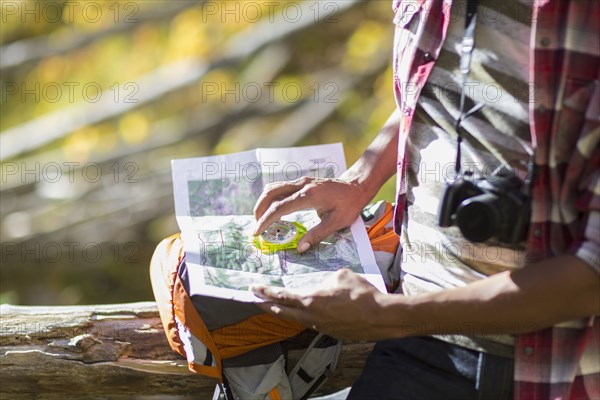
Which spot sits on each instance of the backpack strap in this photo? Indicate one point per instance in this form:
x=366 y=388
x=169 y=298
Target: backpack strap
x=163 y=269
x=181 y=321
x=185 y=311
x=274 y=394
x=381 y=231
x=317 y=364
x=385 y=242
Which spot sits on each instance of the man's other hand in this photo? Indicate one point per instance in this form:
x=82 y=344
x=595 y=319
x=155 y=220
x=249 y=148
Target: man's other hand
x=348 y=309
x=337 y=202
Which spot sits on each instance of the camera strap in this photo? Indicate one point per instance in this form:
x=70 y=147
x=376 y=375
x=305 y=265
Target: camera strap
x=466 y=51
x=467 y=46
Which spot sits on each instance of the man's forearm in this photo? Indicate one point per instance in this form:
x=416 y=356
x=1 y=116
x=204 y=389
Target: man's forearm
x=378 y=162
x=556 y=290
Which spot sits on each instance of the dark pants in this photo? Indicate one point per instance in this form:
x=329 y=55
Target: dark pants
x=431 y=369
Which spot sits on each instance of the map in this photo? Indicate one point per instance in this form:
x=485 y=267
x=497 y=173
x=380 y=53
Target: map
x=214 y=201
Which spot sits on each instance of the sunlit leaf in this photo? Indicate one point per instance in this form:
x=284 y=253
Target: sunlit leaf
x=79 y=145
x=134 y=128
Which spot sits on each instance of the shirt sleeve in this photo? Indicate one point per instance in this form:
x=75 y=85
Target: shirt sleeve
x=587 y=245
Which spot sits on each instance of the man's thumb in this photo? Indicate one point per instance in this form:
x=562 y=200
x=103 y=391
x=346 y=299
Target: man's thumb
x=314 y=236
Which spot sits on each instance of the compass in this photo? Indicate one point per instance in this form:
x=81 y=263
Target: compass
x=280 y=235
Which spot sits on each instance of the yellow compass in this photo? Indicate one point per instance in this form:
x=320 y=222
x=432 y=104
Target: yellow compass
x=280 y=235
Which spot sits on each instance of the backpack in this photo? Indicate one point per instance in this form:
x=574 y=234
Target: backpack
x=240 y=345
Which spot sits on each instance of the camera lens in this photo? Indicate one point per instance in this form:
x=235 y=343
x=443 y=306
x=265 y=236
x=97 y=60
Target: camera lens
x=479 y=217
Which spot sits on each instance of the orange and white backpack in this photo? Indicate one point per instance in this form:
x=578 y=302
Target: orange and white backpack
x=238 y=344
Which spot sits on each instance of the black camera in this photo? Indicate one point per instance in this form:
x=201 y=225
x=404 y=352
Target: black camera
x=485 y=208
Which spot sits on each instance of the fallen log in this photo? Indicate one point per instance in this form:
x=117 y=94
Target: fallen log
x=116 y=351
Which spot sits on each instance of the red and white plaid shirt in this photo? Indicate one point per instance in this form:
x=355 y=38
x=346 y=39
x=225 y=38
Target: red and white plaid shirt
x=561 y=362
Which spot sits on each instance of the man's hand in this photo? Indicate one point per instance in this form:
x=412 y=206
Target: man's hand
x=338 y=203
x=348 y=310
x=504 y=303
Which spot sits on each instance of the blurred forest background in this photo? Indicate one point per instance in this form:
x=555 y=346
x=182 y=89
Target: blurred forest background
x=99 y=96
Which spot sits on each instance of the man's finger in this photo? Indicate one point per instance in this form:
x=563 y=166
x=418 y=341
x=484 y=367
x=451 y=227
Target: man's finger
x=277 y=191
x=278 y=209
x=288 y=313
x=273 y=192
x=316 y=235
x=277 y=296
x=345 y=275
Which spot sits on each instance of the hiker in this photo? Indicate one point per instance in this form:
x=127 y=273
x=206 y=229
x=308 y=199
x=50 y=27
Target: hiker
x=496 y=151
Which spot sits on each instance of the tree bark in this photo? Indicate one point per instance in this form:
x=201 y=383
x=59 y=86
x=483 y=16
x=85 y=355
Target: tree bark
x=116 y=351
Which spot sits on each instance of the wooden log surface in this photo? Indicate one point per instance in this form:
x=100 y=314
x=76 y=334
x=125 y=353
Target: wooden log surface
x=116 y=351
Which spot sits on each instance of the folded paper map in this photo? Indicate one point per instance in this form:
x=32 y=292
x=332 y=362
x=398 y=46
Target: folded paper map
x=214 y=201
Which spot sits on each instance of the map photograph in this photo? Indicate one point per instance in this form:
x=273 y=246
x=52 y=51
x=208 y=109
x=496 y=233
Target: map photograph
x=225 y=196
x=238 y=195
x=232 y=261
x=214 y=204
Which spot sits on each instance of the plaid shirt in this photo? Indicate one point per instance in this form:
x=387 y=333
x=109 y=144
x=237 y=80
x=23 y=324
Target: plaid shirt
x=561 y=362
